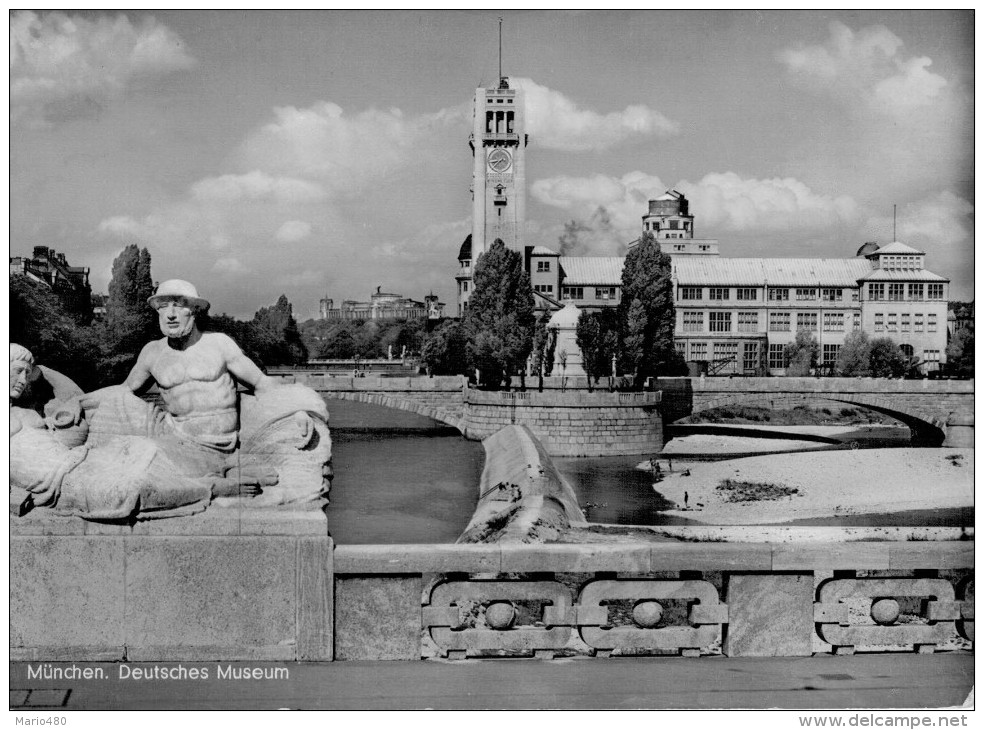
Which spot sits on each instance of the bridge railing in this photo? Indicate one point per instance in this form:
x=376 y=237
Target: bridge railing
x=406 y=602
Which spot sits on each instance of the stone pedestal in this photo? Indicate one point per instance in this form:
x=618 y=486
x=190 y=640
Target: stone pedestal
x=769 y=615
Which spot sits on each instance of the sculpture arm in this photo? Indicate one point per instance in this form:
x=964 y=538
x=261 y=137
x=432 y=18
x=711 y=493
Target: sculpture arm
x=140 y=377
x=244 y=369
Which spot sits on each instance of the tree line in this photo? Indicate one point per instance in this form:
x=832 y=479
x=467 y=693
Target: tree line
x=102 y=352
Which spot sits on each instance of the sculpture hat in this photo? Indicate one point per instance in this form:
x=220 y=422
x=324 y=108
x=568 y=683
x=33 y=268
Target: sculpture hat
x=173 y=288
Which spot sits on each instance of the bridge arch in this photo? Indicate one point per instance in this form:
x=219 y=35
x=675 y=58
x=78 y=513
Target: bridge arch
x=927 y=429
x=446 y=416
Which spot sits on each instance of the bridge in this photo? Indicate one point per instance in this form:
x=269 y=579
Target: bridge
x=572 y=422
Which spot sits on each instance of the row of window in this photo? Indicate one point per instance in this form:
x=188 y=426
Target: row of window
x=896 y=292
x=901 y=262
x=671 y=226
x=602 y=293
x=750 y=354
x=723 y=321
x=775 y=294
x=904 y=322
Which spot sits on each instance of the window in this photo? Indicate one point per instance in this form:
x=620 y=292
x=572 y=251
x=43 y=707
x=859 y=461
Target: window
x=855 y=295
x=681 y=348
x=857 y=321
x=719 y=294
x=931 y=323
x=876 y=292
x=464 y=286
x=544 y=288
x=905 y=323
x=893 y=322
x=747 y=295
x=879 y=322
x=931 y=355
x=698 y=350
x=777 y=356
x=750 y=356
x=720 y=321
x=604 y=292
x=916 y=292
x=779 y=321
x=935 y=291
x=806 y=321
x=748 y=321
x=778 y=295
x=674 y=225
x=833 y=321
x=725 y=350
x=704 y=247
x=465 y=263
x=691 y=292
x=679 y=247
x=804 y=295
x=693 y=321
x=918 y=325
x=832 y=295
x=896 y=292
x=543 y=266
x=573 y=292
x=830 y=354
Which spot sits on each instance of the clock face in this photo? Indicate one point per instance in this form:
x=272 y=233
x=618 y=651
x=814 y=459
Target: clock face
x=499 y=160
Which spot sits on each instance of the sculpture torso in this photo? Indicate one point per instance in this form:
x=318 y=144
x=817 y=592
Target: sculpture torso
x=196 y=385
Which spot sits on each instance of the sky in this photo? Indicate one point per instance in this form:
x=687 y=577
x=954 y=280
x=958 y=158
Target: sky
x=324 y=153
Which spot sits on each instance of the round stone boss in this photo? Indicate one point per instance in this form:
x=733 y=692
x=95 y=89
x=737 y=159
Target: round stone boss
x=647 y=614
x=885 y=611
x=500 y=615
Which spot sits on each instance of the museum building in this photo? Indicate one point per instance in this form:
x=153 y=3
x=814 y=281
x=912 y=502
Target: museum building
x=734 y=316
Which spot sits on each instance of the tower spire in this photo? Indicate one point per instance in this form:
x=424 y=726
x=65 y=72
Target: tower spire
x=500 y=50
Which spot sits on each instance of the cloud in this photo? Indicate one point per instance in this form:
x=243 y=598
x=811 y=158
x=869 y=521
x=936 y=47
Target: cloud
x=867 y=66
x=229 y=265
x=942 y=221
x=556 y=122
x=722 y=201
x=256 y=186
x=293 y=231
x=64 y=66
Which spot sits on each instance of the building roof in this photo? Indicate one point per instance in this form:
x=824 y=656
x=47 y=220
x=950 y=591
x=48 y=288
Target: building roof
x=895 y=248
x=604 y=270
x=711 y=271
x=543 y=251
x=902 y=275
x=464 y=253
x=566 y=317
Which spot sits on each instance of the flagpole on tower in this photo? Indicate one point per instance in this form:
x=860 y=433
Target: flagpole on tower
x=500 y=49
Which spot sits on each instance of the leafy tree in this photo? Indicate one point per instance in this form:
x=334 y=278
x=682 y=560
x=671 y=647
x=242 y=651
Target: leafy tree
x=277 y=334
x=597 y=338
x=647 y=314
x=802 y=355
x=960 y=352
x=854 y=357
x=445 y=350
x=499 y=322
x=130 y=322
x=885 y=359
x=39 y=322
x=542 y=338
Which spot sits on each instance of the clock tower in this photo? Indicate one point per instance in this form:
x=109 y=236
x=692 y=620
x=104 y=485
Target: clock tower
x=498 y=144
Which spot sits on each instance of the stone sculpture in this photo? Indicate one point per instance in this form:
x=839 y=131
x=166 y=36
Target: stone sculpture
x=205 y=443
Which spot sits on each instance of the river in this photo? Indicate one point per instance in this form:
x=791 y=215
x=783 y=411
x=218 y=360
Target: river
x=399 y=477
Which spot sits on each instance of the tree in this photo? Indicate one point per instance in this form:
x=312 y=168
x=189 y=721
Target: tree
x=40 y=322
x=445 y=350
x=802 y=355
x=543 y=341
x=960 y=352
x=277 y=334
x=647 y=314
x=499 y=322
x=885 y=359
x=597 y=338
x=854 y=357
x=130 y=321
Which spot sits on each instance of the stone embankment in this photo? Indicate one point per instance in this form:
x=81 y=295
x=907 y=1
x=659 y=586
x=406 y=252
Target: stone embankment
x=522 y=497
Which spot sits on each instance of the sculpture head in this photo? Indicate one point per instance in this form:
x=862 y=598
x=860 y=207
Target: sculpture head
x=22 y=371
x=177 y=302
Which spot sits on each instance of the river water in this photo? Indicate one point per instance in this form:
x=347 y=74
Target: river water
x=399 y=477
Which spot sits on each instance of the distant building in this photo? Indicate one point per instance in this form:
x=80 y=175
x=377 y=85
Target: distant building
x=50 y=268
x=383 y=305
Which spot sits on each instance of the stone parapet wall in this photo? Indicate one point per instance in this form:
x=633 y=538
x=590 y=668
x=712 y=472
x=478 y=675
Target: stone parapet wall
x=570 y=423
